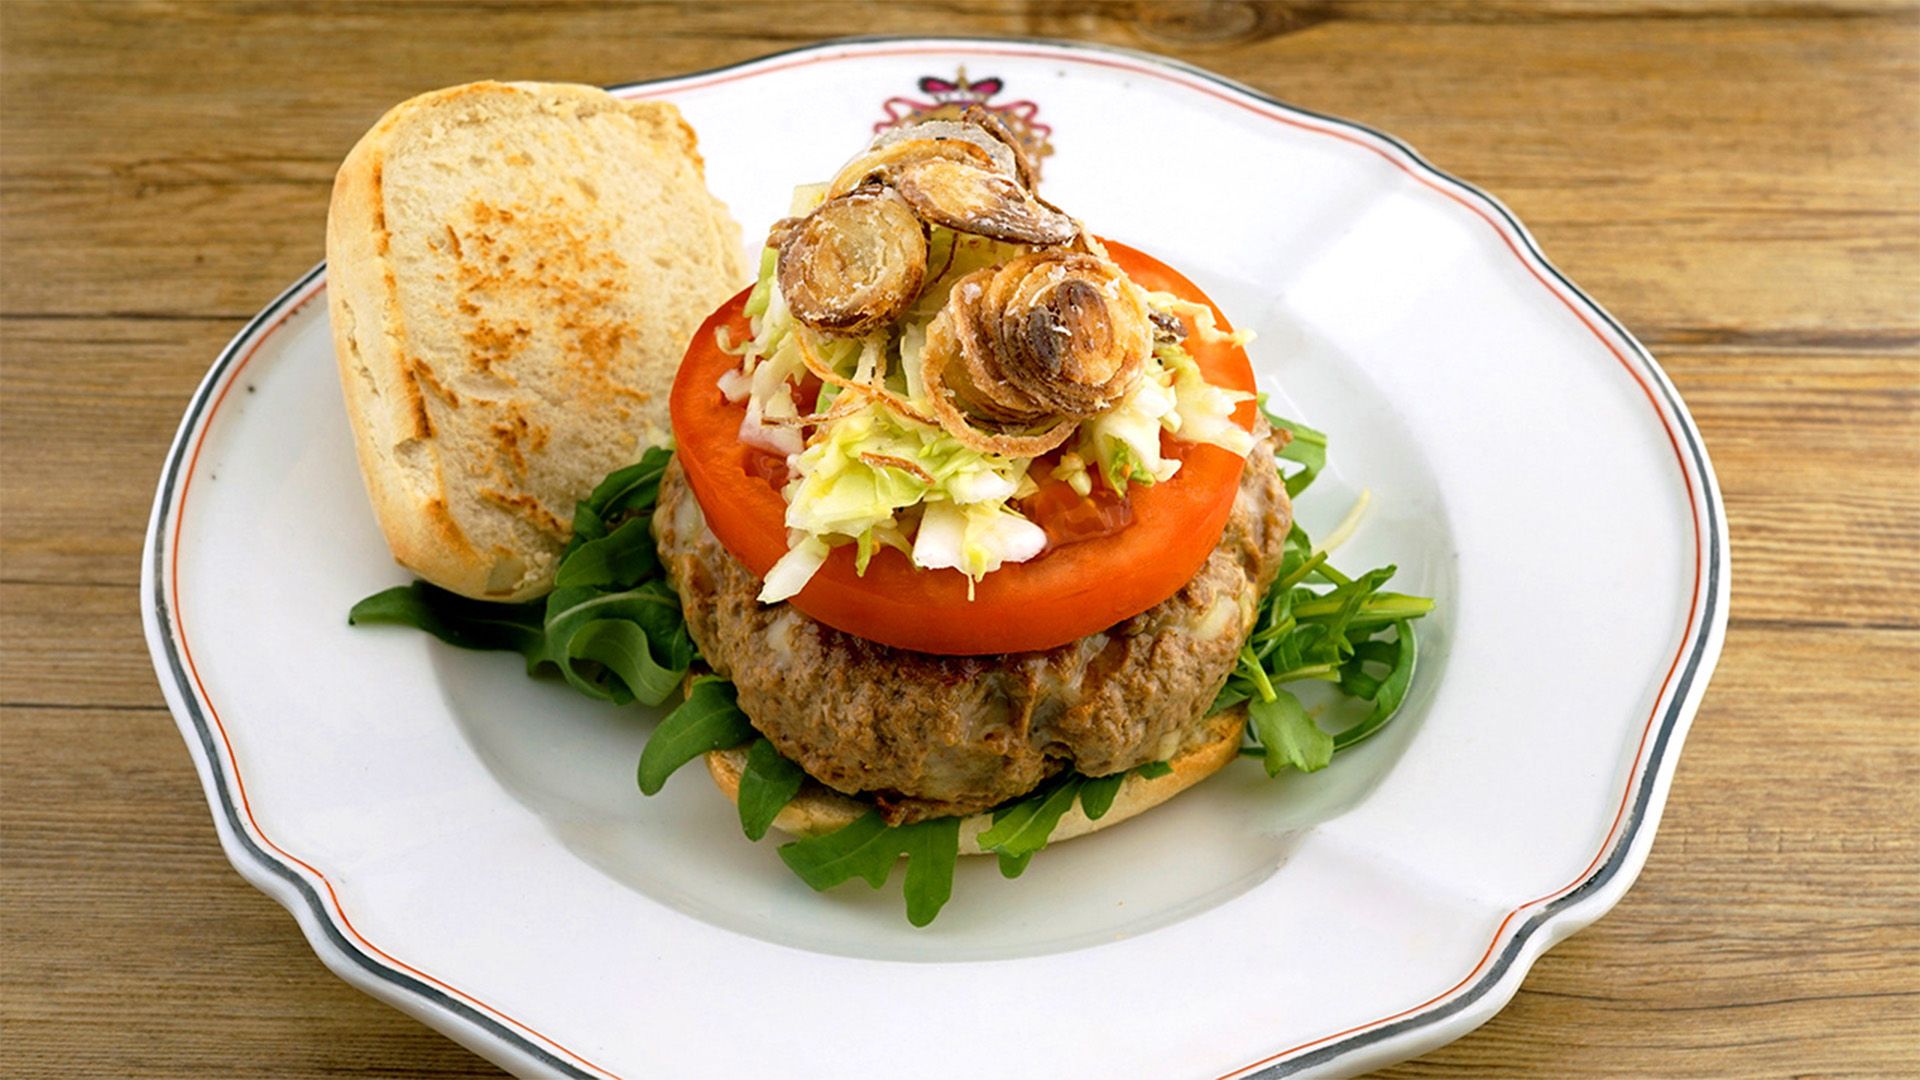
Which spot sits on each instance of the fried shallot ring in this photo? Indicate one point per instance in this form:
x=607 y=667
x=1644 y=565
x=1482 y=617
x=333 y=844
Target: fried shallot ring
x=853 y=264
x=965 y=197
x=943 y=352
x=1035 y=345
x=1025 y=169
x=882 y=161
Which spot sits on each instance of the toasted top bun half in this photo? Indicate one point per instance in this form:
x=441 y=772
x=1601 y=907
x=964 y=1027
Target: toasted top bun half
x=817 y=811
x=513 y=271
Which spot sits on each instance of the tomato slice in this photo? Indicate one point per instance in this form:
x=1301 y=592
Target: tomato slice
x=1069 y=591
x=1068 y=517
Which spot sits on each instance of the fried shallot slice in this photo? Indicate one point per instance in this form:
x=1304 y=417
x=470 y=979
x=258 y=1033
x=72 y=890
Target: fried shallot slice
x=967 y=198
x=854 y=263
x=1033 y=347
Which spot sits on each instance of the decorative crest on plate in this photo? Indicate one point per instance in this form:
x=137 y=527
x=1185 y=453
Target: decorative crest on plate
x=947 y=98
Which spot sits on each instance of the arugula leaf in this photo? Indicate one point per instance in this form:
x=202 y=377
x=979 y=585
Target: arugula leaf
x=932 y=848
x=868 y=848
x=1289 y=735
x=1022 y=828
x=1306 y=448
x=1233 y=692
x=1295 y=551
x=1355 y=682
x=1391 y=692
x=625 y=554
x=1374 y=609
x=456 y=620
x=1354 y=679
x=622 y=649
x=707 y=720
x=1012 y=866
x=634 y=489
x=612 y=626
x=1308 y=632
x=862 y=850
x=1097 y=794
x=621 y=666
x=767 y=785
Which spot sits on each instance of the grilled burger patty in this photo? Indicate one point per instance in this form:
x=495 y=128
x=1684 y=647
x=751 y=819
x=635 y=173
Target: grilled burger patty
x=926 y=736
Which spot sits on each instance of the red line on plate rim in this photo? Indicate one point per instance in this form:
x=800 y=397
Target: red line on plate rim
x=1166 y=74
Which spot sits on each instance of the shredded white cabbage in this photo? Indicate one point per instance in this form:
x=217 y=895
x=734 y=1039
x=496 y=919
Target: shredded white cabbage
x=1125 y=440
x=794 y=569
x=913 y=341
x=975 y=540
x=805 y=198
x=774 y=438
x=1072 y=470
x=870 y=464
x=1204 y=411
x=735 y=385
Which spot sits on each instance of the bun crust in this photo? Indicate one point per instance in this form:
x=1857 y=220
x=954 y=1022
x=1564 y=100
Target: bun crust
x=818 y=810
x=514 y=270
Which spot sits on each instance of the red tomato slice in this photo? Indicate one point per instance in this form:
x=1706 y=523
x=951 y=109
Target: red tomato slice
x=1066 y=593
x=1068 y=517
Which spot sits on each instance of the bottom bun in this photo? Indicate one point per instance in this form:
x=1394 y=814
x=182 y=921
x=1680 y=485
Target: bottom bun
x=816 y=811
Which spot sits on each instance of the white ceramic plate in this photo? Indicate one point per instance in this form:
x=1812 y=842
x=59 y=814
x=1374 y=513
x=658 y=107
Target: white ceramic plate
x=468 y=844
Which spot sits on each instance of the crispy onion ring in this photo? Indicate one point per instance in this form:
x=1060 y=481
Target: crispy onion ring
x=1049 y=333
x=1073 y=332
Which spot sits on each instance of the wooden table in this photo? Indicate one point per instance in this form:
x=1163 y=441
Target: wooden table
x=1738 y=182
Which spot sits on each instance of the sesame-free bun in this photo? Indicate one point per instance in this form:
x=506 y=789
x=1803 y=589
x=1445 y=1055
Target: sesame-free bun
x=514 y=271
x=817 y=810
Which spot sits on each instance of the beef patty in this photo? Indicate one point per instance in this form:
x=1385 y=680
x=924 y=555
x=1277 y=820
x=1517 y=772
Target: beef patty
x=927 y=735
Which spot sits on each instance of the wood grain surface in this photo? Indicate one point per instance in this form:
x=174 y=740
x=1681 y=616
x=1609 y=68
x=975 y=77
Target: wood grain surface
x=1738 y=182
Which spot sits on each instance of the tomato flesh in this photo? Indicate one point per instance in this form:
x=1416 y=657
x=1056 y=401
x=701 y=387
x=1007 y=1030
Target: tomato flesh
x=768 y=466
x=1102 y=569
x=1069 y=517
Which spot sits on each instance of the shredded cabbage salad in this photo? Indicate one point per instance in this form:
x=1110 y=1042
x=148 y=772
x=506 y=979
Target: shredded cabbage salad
x=868 y=466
